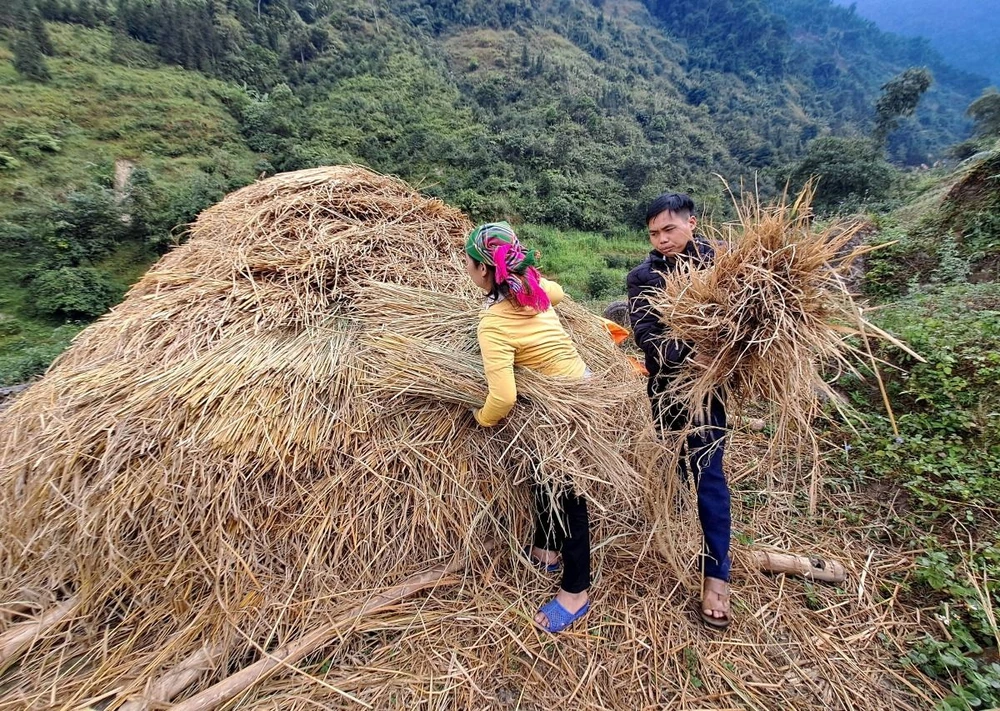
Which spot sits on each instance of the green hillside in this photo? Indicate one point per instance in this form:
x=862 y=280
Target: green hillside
x=67 y=133
x=569 y=115
x=165 y=127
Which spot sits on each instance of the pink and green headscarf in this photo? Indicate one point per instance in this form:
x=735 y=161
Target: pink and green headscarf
x=495 y=245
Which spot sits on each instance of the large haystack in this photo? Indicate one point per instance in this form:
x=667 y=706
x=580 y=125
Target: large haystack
x=271 y=434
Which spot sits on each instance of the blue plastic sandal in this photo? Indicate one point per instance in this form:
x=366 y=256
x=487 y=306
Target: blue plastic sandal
x=558 y=617
x=547 y=567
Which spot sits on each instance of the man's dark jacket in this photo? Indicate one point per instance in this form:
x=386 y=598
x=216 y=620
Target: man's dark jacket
x=661 y=353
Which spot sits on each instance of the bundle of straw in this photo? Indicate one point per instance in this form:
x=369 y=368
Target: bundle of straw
x=769 y=318
x=563 y=434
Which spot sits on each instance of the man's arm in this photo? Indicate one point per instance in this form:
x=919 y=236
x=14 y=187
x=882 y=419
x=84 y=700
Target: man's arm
x=649 y=331
x=642 y=318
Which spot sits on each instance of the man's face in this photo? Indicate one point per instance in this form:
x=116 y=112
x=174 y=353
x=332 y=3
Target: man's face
x=669 y=232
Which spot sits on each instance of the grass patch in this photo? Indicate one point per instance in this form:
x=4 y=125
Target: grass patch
x=166 y=119
x=28 y=347
x=591 y=267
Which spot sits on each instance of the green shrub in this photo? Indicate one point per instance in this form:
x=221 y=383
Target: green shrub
x=947 y=453
x=8 y=162
x=603 y=282
x=846 y=169
x=29 y=356
x=73 y=292
x=88 y=224
x=40 y=142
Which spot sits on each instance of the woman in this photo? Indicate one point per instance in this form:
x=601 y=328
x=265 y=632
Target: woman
x=519 y=327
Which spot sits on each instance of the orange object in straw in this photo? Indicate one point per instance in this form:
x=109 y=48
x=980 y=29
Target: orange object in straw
x=619 y=334
x=638 y=366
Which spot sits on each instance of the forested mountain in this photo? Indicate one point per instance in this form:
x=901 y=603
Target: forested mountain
x=121 y=119
x=967 y=33
x=845 y=55
x=560 y=111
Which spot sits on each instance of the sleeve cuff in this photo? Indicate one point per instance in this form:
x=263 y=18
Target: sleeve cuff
x=478 y=415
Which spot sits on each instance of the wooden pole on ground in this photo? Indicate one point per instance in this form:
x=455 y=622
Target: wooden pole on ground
x=21 y=635
x=176 y=679
x=812 y=568
x=231 y=686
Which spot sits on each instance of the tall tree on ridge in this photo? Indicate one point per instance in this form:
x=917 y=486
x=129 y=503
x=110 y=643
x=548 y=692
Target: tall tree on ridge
x=900 y=96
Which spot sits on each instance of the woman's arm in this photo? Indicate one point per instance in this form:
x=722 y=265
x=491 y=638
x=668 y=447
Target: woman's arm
x=498 y=362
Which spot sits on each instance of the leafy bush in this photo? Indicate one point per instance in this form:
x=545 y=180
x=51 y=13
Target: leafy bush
x=604 y=282
x=73 y=292
x=88 y=225
x=40 y=142
x=948 y=448
x=8 y=162
x=25 y=357
x=846 y=168
x=185 y=204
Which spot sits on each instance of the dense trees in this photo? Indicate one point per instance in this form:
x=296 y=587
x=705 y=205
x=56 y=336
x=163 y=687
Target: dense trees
x=31 y=41
x=28 y=58
x=565 y=113
x=739 y=36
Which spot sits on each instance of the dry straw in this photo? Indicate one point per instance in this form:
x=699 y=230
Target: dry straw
x=771 y=321
x=256 y=483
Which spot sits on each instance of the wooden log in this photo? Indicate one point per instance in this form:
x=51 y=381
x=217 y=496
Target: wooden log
x=177 y=679
x=21 y=635
x=810 y=567
x=225 y=690
x=16 y=609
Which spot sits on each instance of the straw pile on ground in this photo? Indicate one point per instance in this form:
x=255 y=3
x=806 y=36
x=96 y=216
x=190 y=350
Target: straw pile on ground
x=232 y=489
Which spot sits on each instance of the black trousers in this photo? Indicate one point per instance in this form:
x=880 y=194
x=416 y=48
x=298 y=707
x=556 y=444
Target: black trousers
x=566 y=531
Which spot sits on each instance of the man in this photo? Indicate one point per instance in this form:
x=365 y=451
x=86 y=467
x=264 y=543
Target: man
x=671 y=224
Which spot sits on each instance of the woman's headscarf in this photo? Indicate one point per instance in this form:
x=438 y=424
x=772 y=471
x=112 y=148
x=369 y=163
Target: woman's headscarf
x=495 y=245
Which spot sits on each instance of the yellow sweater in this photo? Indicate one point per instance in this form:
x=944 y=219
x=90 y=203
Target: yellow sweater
x=510 y=336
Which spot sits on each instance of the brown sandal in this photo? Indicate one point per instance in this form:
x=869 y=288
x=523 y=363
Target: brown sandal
x=716 y=623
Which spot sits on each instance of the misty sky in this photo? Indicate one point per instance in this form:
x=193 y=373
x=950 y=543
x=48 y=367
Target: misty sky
x=966 y=32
